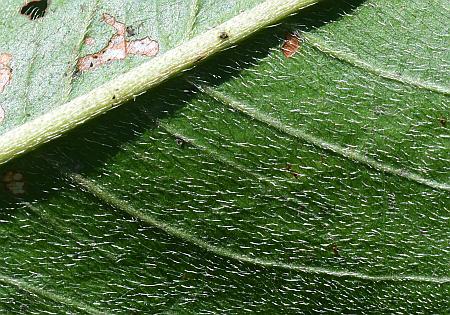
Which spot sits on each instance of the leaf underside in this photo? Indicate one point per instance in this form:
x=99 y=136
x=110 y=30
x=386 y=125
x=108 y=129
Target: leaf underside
x=253 y=183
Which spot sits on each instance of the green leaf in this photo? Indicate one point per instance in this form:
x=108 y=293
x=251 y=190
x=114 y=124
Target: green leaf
x=255 y=183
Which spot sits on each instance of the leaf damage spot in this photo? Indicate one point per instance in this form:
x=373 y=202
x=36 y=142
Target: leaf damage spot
x=118 y=47
x=14 y=182
x=290 y=45
x=5 y=70
x=89 y=41
x=34 y=9
x=443 y=121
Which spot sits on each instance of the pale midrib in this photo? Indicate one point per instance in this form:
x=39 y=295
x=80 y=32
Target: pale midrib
x=353 y=61
x=110 y=199
x=49 y=295
x=348 y=153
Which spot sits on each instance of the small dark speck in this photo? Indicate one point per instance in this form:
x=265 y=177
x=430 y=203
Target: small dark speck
x=335 y=250
x=443 y=121
x=180 y=141
x=114 y=97
x=130 y=31
x=199 y=59
x=75 y=74
x=291 y=171
x=224 y=35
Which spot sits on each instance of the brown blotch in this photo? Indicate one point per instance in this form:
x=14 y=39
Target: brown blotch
x=14 y=182
x=118 y=47
x=5 y=70
x=291 y=45
x=34 y=9
x=443 y=121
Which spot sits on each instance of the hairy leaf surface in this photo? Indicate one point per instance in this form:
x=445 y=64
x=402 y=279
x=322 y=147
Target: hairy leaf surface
x=255 y=183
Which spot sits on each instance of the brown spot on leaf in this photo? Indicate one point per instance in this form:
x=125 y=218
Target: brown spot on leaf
x=14 y=182
x=443 y=121
x=143 y=47
x=5 y=70
x=34 y=9
x=118 y=47
x=291 y=45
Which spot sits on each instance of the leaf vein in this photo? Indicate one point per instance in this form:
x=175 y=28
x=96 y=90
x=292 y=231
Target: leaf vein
x=348 y=153
x=103 y=195
x=320 y=45
x=49 y=295
x=192 y=18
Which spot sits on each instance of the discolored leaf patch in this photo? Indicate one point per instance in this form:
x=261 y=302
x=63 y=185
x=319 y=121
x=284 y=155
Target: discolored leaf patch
x=290 y=45
x=5 y=77
x=118 y=47
x=89 y=41
x=5 y=70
